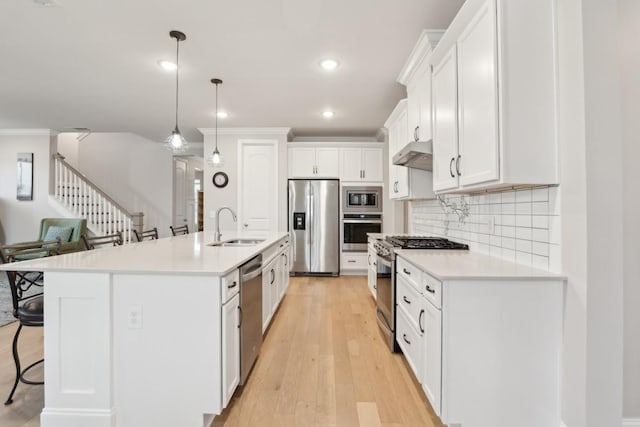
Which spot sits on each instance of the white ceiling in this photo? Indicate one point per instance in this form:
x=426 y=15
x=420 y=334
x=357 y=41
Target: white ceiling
x=93 y=63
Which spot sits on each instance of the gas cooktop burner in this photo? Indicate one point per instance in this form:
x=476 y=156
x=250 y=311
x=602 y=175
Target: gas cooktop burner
x=419 y=242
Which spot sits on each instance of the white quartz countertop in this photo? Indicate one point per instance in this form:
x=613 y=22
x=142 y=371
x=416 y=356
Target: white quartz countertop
x=462 y=264
x=186 y=254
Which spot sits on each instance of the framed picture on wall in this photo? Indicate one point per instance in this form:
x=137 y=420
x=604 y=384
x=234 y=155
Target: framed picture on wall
x=25 y=176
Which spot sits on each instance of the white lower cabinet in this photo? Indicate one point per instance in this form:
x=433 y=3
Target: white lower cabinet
x=480 y=346
x=372 y=270
x=352 y=262
x=275 y=279
x=230 y=347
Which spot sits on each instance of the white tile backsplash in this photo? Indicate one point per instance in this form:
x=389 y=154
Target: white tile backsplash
x=525 y=229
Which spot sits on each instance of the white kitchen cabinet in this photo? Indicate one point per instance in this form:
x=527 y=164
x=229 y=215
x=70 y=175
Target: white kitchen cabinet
x=361 y=164
x=353 y=262
x=230 y=347
x=314 y=162
x=484 y=342
x=275 y=279
x=372 y=270
x=493 y=127
x=445 y=123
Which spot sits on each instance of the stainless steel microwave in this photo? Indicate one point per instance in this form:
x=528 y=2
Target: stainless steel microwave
x=361 y=199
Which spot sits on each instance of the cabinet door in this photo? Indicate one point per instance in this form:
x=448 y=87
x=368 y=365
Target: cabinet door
x=424 y=132
x=266 y=298
x=445 y=126
x=402 y=173
x=372 y=271
x=413 y=112
x=273 y=283
x=432 y=372
x=327 y=162
x=351 y=164
x=478 y=99
x=302 y=162
x=372 y=164
x=230 y=348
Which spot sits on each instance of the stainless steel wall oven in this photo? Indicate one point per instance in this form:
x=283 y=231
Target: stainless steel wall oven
x=355 y=228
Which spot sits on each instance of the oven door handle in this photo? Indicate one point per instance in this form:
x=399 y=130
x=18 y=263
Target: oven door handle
x=362 y=221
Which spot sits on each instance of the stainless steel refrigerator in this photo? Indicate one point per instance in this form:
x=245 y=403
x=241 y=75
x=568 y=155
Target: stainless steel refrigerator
x=314 y=225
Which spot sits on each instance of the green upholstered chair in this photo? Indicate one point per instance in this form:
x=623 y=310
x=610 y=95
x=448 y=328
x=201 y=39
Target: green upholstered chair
x=78 y=225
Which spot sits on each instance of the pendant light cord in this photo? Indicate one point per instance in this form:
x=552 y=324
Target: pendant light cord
x=177 y=71
x=216 y=116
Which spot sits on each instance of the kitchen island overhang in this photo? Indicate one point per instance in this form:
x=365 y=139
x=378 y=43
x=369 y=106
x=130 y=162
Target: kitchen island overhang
x=133 y=333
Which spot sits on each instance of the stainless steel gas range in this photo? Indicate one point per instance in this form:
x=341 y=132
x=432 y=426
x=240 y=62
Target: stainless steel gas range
x=386 y=276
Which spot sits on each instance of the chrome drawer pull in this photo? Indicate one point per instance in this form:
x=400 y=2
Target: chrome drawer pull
x=404 y=337
x=407 y=272
x=406 y=300
x=232 y=285
x=432 y=291
x=420 y=321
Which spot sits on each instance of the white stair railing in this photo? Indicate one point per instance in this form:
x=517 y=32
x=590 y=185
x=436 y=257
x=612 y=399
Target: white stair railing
x=86 y=200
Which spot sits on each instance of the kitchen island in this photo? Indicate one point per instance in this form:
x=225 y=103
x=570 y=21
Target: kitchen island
x=134 y=334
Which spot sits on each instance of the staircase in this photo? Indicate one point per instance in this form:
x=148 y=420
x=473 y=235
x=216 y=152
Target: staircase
x=79 y=197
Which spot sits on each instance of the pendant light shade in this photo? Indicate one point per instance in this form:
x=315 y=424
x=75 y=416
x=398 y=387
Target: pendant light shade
x=176 y=142
x=216 y=159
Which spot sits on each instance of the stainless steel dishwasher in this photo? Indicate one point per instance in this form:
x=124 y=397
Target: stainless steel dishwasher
x=250 y=314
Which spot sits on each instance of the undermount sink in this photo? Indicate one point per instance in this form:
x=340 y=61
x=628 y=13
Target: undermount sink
x=238 y=242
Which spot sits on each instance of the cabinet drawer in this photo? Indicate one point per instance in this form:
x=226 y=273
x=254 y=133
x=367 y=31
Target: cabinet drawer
x=432 y=289
x=230 y=285
x=354 y=261
x=408 y=271
x=410 y=342
x=408 y=297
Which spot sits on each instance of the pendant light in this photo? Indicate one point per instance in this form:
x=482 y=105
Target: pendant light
x=176 y=142
x=215 y=159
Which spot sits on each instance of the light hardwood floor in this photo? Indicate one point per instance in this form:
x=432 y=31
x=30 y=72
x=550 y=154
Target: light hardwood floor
x=323 y=363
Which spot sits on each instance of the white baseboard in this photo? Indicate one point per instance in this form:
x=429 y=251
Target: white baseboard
x=631 y=422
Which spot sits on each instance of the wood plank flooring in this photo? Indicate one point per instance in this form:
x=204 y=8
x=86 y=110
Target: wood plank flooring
x=323 y=363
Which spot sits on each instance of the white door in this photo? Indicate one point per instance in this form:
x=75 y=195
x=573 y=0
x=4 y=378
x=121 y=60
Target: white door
x=258 y=185
x=372 y=164
x=180 y=211
x=351 y=164
x=478 y=99
x=445 y=124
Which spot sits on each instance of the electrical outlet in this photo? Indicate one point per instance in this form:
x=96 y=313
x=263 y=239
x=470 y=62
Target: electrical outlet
x=134 y=317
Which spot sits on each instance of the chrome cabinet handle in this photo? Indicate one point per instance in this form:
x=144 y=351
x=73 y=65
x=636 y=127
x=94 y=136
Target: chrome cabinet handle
x=420 y=321
x=351 y=260
x=430 y=290
x=232 y=285
x=273 y=277
x=453 y=159
x=407 y=272
x=239 y=317
x=404 y=337
x=369 y=259
x=416 y=133
x=458 y=164
x=364 y=173
x=406 y=300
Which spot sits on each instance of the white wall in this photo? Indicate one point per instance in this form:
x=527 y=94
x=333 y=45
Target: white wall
x=228 y=196
x=20 y=220
x=136 y=172
x=629 y=16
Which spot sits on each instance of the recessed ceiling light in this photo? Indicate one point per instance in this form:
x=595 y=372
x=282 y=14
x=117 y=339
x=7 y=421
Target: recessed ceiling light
x=46 y=3
x=223 y=114
x=327 y=114
x=168 y=65
x=329 y=64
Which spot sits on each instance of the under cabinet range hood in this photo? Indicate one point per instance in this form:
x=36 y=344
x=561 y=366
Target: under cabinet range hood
x=418 y=155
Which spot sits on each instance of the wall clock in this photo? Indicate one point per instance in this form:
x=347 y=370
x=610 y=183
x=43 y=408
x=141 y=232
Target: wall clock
x=220 y=179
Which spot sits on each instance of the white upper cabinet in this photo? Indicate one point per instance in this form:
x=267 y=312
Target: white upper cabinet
x=361 y=164
x=312 y=162
x=494 y=97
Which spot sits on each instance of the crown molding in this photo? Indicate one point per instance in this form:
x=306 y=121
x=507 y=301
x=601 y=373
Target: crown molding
x=246 y=131
x=27 y=132
x=400 y=108
x=426 y=43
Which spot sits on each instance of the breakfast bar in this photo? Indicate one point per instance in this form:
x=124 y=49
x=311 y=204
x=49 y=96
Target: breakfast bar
x=134 y=333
